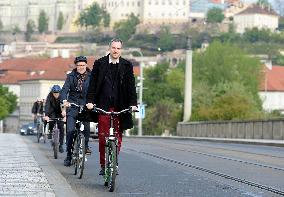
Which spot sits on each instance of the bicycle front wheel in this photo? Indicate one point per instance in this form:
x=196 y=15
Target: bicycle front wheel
x=81 y=155
x=55 y=142
x=112 y=165
x=75 y=154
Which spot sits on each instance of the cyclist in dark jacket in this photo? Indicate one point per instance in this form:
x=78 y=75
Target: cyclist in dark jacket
x=74 y=91
x=37 y=109
x=53 y=110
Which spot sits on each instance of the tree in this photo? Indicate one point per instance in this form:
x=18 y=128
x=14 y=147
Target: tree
x=164 y=98
x=264 y=3
x=279 y=6
x=126 y=28
x=215 y=15
x=42 y=22
x=92 y=16
x=224 y=74
x=166 y=40
x=60 y=21
x=106 y=19
x=30 y=30
x=8 y=102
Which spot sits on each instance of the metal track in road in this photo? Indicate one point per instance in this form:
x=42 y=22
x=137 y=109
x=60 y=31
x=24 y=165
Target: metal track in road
x=216 y=173
x=233 y=159
x=228 y=158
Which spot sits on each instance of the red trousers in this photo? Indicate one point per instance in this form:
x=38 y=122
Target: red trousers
x=103 y=128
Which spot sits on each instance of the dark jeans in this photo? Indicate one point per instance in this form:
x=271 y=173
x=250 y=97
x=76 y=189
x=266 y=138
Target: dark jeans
x=60 y=126
x=71 y=124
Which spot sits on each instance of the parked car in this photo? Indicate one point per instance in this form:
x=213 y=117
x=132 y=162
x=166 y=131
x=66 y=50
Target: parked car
x=28 y=129
x=94 y=130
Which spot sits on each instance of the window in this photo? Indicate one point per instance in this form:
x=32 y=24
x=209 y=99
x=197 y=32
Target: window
x=157 y=2
x=150 y=2
x=138 y=3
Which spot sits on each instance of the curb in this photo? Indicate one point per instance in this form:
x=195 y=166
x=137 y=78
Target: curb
x=277 y=143
x=57 y=182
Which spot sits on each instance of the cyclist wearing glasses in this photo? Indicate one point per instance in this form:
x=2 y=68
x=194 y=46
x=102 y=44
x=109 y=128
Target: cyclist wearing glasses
x=112 y=87
x=53 y=110
x=74 y=91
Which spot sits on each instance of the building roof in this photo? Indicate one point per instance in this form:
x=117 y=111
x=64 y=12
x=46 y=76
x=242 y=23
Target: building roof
x=256 y=9
x=14 y=70
x=274 y=78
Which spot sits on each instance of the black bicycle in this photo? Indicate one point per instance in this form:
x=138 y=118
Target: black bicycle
x=55 y=136
x=79 y=155
x=111 y=149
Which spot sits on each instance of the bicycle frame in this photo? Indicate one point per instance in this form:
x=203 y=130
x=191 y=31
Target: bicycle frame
x=111 y=152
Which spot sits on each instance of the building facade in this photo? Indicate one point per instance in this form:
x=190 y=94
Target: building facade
x=16 y=13
x=148 y=11
x=256 y=16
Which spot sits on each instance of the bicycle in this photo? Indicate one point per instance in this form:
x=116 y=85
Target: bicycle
x=111 y=149
x=78 y=157
x=40 y=128
x=55 y=136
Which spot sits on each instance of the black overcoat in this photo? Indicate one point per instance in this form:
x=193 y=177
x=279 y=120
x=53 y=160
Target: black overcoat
x=126 y=87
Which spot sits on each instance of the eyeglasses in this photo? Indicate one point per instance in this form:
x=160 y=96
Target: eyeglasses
x=81 y=65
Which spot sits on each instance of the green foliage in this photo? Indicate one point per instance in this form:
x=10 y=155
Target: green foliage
x=164 y=115
x=221 y=73
x=3 y=109
x=215 y=15
x=30 y=30
x=60 y=21
x=166 y=41
x=264 y=3
x=106 y=19
x=69 y=39
x=8 y=102
x=42 y=22
x=16 y=29
x=126 y=28
x=93 y=16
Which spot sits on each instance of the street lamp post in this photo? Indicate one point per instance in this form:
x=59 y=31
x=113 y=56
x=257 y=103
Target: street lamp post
x=188 y=82
x=140 y=99
x=140 y=132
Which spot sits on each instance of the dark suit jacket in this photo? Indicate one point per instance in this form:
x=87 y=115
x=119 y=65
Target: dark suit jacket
x=126 y=87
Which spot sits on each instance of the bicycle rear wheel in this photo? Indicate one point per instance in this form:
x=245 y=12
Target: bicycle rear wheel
x=112 y=165
x=55 y=142
x=39 y=132
x=81 y=154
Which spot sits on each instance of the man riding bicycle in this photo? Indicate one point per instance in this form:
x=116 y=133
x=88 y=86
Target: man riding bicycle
x=74 y=91
x=53 y=110
x=112 y=88
x=37 y=109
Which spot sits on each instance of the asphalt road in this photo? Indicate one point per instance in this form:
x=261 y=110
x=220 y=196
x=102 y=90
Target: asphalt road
x=152 y=167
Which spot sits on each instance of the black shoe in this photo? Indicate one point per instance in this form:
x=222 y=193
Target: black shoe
x=67 y=161
x=102 y=172
x=88 y=151
x=61 y=150
x=117 y=173
x=49 y=136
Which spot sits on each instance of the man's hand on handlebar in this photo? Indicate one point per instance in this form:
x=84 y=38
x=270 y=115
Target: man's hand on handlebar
x=134 y=108
x=46 y=118
x=90 y=106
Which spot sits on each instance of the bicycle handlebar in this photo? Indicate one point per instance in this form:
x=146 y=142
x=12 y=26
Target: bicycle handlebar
x=112 y=112
x=55 y=119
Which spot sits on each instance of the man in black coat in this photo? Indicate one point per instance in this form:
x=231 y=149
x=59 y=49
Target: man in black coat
x=112 y=87
x=74 y=90
x=37 y=110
